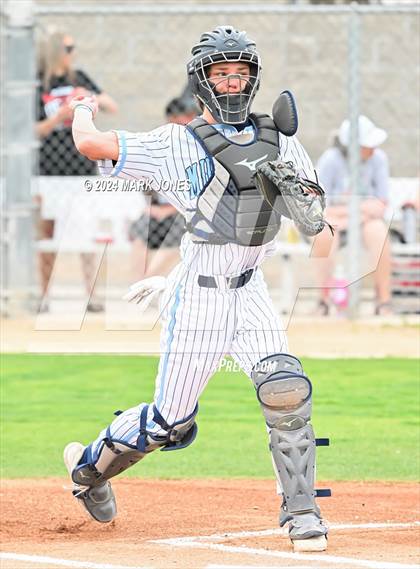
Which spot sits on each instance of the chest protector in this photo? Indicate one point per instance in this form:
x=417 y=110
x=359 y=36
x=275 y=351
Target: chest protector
x=231 y=209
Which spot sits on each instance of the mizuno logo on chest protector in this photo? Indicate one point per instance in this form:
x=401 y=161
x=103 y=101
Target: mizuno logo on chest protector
x=251 y=165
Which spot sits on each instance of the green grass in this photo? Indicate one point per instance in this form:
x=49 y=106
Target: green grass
x=368 y=408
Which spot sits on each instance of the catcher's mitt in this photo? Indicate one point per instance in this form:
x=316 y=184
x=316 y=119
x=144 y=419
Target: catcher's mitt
x=299 y=199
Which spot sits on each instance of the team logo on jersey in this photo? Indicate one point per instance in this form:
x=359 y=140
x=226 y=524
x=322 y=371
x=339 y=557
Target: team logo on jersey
x=199 y=174
x=250 y=165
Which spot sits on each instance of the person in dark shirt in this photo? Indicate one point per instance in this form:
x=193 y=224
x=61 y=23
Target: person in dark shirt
x=59 y=82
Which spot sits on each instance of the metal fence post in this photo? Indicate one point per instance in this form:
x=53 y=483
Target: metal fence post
x=354 y=160
x=19 y=84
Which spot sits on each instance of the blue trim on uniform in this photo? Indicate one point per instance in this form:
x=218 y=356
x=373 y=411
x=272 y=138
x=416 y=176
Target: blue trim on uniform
x=108 y=433
x=159 y=420
x=86 y=457
x=170 y=339
x=125 y=443
x=220 y=127
x=254 y=129
x=142 y=438
x=186 y=441
x=123 y=148
x=201 y=233
x=207 y=153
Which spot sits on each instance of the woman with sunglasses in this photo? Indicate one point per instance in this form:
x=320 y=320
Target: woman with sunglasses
x=59 y=82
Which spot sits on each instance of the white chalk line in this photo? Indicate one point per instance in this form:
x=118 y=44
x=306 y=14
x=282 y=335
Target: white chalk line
x=323 y=557
x=205 y=542
x=259 y=567
x=284 y=531
x=63 y=562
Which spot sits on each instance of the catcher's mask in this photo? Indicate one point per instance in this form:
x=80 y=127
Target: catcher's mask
x=225 y=44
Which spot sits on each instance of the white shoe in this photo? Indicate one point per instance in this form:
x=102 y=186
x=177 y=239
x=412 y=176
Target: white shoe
x=72 y=454
x=310 y=544
x=308 y=532
x=99 y=501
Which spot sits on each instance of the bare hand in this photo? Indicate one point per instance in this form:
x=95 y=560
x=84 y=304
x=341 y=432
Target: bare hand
x=90 y=102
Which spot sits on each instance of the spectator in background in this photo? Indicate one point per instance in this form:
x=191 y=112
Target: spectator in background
x=333 y=171
x=183 y=109
x=160 y=227
x=59 y=82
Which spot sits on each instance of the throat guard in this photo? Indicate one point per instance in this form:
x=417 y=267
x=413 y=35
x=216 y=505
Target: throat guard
x=231 y=209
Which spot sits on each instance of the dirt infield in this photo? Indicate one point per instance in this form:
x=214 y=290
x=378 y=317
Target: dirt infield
x=201 y=521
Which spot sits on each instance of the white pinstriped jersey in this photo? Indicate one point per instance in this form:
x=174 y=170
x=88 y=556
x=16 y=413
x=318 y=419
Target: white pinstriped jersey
x=172 y=153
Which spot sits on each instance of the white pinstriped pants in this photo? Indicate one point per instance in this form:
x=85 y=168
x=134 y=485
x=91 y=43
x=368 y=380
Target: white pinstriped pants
x=200 y=326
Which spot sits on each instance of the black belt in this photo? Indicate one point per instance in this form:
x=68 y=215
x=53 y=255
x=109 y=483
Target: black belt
x=232 y=282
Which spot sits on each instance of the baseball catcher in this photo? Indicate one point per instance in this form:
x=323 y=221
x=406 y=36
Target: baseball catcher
x=245 y=171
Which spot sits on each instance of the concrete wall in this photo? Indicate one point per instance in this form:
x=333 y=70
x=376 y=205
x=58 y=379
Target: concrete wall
x=140 y=60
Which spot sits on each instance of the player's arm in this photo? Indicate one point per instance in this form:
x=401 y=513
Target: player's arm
x=291 y=150
x=90 y=141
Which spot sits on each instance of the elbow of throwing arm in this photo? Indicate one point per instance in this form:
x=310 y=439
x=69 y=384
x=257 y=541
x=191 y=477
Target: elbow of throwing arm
x=87 y=147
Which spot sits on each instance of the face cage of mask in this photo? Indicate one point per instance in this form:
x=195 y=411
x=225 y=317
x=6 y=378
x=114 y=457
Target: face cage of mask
x=231 y=108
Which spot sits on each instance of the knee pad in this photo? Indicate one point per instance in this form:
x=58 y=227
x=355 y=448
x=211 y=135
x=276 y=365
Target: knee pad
x=127 y=440
x=285 y=395
x=284 y=392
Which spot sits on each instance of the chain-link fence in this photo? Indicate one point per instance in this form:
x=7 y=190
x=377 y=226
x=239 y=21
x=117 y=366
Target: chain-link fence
x=338 y=61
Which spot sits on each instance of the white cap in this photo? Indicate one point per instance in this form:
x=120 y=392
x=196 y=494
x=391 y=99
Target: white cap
x=370 y=136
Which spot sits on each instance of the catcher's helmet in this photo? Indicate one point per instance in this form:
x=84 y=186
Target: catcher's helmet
x=224 y=43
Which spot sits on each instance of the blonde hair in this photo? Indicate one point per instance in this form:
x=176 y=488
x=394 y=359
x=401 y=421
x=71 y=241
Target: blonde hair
x=50 y=52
